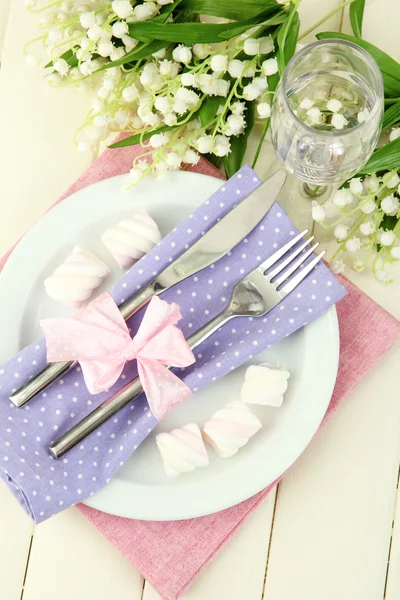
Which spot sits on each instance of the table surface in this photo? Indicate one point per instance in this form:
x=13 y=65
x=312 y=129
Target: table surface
x=330 y=530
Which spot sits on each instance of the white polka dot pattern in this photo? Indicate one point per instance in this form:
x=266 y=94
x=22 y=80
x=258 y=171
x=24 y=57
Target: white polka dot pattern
x=25 y=434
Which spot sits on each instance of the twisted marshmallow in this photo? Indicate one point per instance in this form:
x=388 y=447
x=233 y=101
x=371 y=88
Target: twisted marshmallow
x=230 y=428
x=264 y=385
x=182 y=450
x=131 y=239
x=74 y=281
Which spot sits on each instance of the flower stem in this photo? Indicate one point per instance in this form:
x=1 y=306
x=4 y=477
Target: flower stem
x=260 y=143
x=325 y=18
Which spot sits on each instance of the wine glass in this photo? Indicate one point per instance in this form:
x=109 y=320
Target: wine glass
x=325 y=121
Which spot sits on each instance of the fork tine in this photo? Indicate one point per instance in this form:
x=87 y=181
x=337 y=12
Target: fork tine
x=302 y=274
x=279 y=253
x=288 y=260
x=294 y=266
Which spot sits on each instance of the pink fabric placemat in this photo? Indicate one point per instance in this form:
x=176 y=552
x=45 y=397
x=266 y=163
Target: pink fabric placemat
x=171 y=554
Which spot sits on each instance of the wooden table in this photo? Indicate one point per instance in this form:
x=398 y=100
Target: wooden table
x=330 y=530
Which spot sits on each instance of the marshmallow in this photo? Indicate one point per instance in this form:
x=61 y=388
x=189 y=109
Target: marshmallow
x=74 y=281
x=131 y=239
x=182 y=450
x=264 y=385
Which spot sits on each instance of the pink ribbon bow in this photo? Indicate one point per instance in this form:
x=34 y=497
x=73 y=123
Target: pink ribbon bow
x=99 y=339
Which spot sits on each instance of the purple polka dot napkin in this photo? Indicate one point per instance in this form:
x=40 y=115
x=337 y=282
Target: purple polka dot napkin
x=45 y=486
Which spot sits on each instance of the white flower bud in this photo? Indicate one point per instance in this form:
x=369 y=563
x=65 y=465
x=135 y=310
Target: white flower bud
x=343 y=197
x=318 y=212
x=234 y=125
x=173 y=160
x=117 y=53
x=55 y=36
x=100 y=121
x=109 y=83
x=87 y=19
x=122 y=8
x=249 y=69
x=182 y=54
x=119 y=29
x=363 y=115
x=222 y=88
x=251 y=46
x=353 y=245
x=386 y=238
x=129 y=42
x=251 y=91
x=261 y=83
x=264 y=110
x=383 y=276
x=367 y=228
x=371 y=184
x=86 y=68
x=222 y=145
x=157 y=140
x=61 y=66
x=161 y=166
x=187 y=96
x=201 y=50
x=340 y=232
x=339 y=121
x=136 y=175
x=219 y=63
x=356 y=186
x=395 y=252
x=160 y=53
x=164 y=2
x=179 y=106
x=168 y=68
x=191 y=157
x=235 y=68
x=121 y=117
x=367 y=207
x=358 y=265
x=149 y=74
x=394 y=134
x=95 y=33
x=306 y=103
x=188 y=79
x=130 y=93
x=170 y=119
x=314 y=114
x=390 y=205
x=338 y=266
x=270 y=66
x=103 y=93
x=391 y=180
x=238 y=108
x=266 y=44
x=162 y=104
x=204 y=144
x=105 y=48
x=334 y=105
x=145 y=11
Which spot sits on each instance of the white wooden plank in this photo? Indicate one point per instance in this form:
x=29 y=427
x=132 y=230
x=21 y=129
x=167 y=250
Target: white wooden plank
x=4 y=9
x=393 y=573
x=15 y=535
x=237 y=572
x=37 y=123
x=70 y=559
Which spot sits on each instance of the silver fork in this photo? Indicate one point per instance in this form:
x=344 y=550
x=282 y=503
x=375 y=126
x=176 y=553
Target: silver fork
x=254 y=296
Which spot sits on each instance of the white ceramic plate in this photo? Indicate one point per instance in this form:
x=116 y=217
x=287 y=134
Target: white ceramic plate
x=140 y=489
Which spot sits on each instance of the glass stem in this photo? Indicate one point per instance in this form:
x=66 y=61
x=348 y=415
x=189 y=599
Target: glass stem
x=314 y=191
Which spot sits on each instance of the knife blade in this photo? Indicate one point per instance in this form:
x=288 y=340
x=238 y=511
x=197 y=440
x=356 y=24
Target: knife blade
x=212 y=246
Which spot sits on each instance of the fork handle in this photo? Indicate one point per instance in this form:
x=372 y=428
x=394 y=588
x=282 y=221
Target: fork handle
x=132 y=390
x=52 y=371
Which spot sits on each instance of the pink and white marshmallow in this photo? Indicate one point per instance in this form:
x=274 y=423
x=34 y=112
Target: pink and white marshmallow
x=265 y=385
x=132 y=238
x=182 y=450
x=75 y=279
x=230 y=428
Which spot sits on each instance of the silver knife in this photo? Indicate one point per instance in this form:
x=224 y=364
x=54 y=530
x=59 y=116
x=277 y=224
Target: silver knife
x=212 y=246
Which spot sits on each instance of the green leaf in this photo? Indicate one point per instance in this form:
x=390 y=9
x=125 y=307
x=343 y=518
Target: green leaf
x=69 y=57
x=383 y=159
x=132 y=140
x=388 y=222
x=389 y=67
x=234 y=160
x=391 y=116
x=193 y=33
x=271 y=22
x=356 y=12
x=209 y=108
x=229 y=9
x=287 y=38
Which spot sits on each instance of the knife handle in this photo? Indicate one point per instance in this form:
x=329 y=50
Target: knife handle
x=52 y=371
